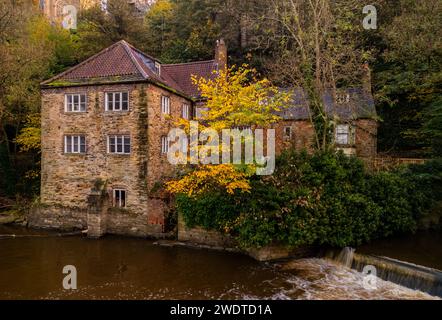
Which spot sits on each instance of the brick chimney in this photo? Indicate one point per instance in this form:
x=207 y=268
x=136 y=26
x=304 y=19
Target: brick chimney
x=366 y=77
x=221 y=54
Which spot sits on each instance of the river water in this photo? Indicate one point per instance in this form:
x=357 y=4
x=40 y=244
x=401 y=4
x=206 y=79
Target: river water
x=31 y=267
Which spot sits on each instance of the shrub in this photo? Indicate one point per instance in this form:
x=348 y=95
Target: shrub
x=391 y=191
x=324 y=199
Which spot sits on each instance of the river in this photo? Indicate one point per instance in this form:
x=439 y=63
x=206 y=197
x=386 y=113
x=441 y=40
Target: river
x=128 y=268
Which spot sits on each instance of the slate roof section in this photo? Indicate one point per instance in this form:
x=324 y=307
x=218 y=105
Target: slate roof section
x=360 y=105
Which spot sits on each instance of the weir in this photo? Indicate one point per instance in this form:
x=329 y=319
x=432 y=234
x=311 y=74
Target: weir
x=406 y=274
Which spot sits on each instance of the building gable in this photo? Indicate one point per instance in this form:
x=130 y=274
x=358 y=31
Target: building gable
x=121 y=62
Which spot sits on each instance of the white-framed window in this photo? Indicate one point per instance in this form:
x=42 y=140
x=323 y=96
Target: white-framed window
x=117 y=101
x=287 y=133
x=118 y=144
x=199 y=112
x=164 y=144
x=157 y=68
x=119 y=198
x=165 y=105
x=75 y=102
x=344 y=134
x=185 y=111
x=74 y=144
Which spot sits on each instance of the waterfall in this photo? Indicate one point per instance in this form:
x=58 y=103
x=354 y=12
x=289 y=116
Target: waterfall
x=400 y=272
x=344 y=257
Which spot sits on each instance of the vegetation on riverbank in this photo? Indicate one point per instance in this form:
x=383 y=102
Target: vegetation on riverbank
x=324 y=198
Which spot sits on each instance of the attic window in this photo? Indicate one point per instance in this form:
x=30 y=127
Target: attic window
x=158 y=68
x=342 y=98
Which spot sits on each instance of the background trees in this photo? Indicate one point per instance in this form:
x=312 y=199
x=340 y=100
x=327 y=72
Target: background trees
x=407 y=76
x=278 y=38
x=316 y=49
x=30 y=51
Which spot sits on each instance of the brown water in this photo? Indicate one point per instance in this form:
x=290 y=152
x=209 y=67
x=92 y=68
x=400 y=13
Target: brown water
x=127 y=268
x=423 y=248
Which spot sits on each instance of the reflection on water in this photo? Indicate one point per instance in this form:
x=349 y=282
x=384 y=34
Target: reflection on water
x=126 y=268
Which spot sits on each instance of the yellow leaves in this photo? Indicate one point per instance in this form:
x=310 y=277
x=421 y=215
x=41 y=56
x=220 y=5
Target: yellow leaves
x=29 y=137
x=160 y=9
x=209 y=178
x=236 y=97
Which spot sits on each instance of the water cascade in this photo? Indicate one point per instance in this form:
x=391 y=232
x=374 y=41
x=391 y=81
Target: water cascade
x=403 y=273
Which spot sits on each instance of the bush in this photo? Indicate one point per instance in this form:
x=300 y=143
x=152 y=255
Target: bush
x=391 y=191
x=211 y=211
x=324 y=199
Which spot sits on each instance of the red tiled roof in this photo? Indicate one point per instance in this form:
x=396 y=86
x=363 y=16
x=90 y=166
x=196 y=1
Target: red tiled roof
x=122 y=62
x=182 y=74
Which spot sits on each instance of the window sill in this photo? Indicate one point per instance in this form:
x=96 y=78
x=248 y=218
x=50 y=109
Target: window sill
x=119 y=154
x=338 y=145
x=115 y=113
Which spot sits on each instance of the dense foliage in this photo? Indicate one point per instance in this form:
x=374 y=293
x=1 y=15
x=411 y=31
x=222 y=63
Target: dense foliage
x=324 y=198
x=404 y=53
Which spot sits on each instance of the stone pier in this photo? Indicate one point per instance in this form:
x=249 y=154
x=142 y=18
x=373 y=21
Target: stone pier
x=98 y=205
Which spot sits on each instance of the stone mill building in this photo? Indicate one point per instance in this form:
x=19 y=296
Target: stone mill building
x=104 y=138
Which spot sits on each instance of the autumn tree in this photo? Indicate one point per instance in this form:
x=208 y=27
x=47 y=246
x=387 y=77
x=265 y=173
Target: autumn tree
x=31 y=50
x=235 y=98
x=98 y=29
x=315 y=49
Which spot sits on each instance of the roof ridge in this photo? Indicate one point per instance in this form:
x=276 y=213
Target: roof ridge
x=186 y=63
x=141 y=52
x=134 y=60
x=91 y=58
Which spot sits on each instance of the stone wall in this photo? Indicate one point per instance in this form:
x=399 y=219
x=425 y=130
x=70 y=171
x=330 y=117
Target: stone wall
x=66 y=179
x=198 y=235
x=159 y=125
x=303 y=137
x=124 y=223
x=366 y=138
x=115 y=221
x=56 y=217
